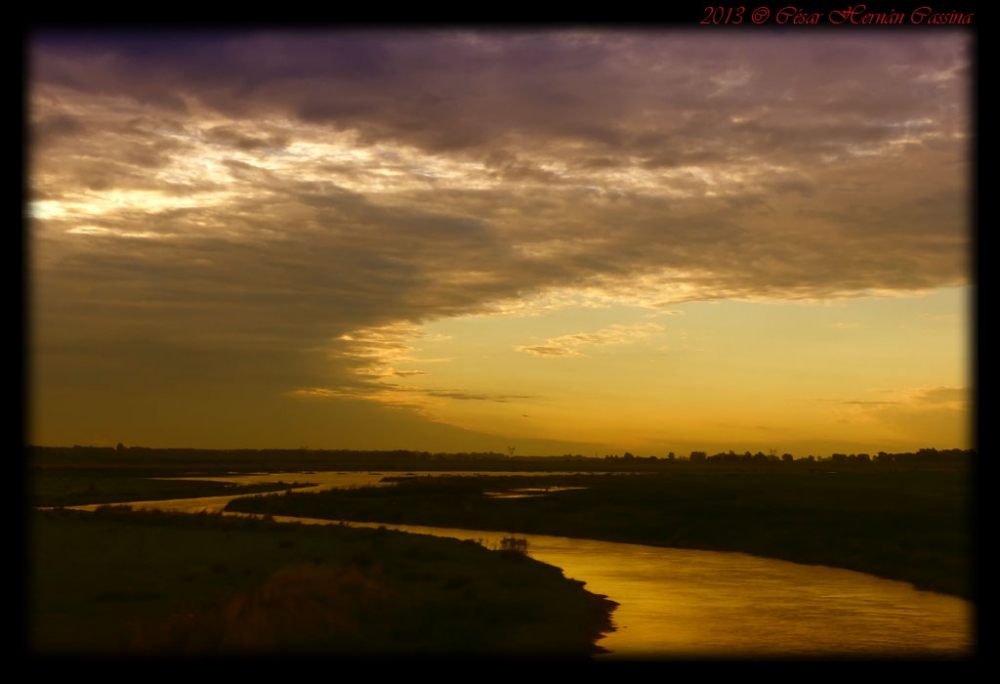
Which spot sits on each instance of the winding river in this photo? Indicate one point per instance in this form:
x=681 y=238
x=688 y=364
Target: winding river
x=682 y=603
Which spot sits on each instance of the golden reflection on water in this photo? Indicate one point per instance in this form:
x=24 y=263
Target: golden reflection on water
x=682 y=603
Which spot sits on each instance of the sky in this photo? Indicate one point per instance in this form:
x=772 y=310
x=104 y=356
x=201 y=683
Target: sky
x=583 y=241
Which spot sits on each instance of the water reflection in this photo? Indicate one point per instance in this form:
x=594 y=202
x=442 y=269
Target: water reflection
x=527 y=492
x=680 y=603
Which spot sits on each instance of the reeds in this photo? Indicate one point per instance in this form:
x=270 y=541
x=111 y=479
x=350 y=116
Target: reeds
x=307 y=607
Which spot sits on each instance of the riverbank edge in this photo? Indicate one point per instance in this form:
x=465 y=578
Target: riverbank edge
x=281 y=505
x=579 y=640
x=789 y=558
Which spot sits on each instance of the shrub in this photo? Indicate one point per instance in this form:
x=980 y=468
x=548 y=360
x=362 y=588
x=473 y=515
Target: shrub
x=514 y=545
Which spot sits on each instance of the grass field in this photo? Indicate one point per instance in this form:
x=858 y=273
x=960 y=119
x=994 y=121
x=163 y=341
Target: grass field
x=116 y=583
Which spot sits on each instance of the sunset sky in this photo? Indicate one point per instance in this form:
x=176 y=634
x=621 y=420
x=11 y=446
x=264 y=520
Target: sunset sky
x=562 y=241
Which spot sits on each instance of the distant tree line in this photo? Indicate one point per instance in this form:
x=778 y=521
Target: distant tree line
x=921 y=456
x=415 y=459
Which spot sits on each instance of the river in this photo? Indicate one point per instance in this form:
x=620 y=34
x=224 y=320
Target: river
x=683 y=603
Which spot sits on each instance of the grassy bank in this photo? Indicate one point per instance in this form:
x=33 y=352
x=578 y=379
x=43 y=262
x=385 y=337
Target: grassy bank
x=78 y=487
x=909 y=525
x=118 y=582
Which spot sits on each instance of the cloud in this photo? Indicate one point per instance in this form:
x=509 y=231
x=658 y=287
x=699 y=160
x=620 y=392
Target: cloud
x=477 y=396
x=912 y=414
x=565 y=345
x=403 y=395
x=942 y=395
x=916 y=398
x=548 y=350
x=216 y=198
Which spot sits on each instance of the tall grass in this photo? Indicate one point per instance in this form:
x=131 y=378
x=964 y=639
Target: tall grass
x=299 y=608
